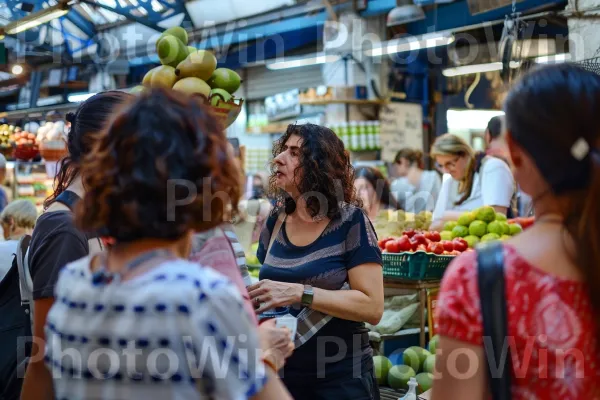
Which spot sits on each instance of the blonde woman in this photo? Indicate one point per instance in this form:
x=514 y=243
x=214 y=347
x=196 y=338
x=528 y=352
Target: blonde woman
x=469 y=184
x=17 y=220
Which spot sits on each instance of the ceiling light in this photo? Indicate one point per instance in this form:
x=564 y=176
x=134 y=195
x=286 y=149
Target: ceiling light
x=79 y=97
x=412 y=43
x=554 y=59
x=477 y=68
x=36 y=19
x=302 y=62
x=17 y=70
x=404 y=14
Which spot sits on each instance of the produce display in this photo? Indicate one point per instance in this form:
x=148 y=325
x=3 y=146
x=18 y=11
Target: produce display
x=427 y=241
x=481 y=225
x=390 y=223
x=416 y=362
x=194 y=72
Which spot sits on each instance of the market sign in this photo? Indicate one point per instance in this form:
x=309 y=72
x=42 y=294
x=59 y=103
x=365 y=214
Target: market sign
x=401 y=125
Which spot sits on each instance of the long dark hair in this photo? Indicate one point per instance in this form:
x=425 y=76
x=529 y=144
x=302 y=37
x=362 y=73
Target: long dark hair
x=552 y=112
x=325 y=168
x=414 y=157
x=90 y=118
x=381 y=186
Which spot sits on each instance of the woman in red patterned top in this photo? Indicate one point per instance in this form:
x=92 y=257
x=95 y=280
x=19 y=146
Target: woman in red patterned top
x=552 y=270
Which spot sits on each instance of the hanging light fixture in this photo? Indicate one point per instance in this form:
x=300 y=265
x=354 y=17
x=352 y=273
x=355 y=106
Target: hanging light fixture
x=37 y=18
x=404 y=12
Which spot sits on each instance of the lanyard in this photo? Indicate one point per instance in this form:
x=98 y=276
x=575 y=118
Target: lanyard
x=102 y=276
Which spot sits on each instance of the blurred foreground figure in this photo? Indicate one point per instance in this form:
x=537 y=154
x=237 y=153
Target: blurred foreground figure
x=551 y=271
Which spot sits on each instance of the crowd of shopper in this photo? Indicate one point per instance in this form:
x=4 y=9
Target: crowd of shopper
x=135 y=252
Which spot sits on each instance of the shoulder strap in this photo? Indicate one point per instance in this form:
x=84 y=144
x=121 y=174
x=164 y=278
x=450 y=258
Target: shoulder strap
x=278 y=222
x=492 y=292
x=25 y=281
x=68 y=198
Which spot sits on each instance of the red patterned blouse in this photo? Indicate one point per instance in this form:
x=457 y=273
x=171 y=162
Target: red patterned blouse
x=551 y=327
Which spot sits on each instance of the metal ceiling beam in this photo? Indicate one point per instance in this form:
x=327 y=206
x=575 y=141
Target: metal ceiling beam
x=81 y=22
x=126 y=12
x=456 y=15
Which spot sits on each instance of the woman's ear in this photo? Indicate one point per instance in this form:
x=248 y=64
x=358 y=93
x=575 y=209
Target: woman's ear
x=513 y=149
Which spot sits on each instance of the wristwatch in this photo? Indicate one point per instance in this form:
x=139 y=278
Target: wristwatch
x=307 y=296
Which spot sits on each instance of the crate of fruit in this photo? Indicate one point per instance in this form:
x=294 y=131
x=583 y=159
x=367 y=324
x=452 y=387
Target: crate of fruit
x=419 y=255
x=419 y=265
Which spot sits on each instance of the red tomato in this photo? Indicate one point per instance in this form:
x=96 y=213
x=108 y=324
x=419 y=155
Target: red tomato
x=421 y=247
x=414 y=245
x=448 y=245
x=410 y=233
x=437 y=248
x=404 y=244
x=392 y=247
x=382 y=243
x=460 y=244
x=435 y=236
x=420 y=238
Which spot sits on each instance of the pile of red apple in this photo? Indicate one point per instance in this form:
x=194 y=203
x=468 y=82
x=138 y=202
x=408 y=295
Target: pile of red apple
x=430 y=242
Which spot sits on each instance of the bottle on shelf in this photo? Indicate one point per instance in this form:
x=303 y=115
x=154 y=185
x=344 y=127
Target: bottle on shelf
x=363 y=135
x=354 y=136
x=377 y=135
x=371 y=135
x=343 y=128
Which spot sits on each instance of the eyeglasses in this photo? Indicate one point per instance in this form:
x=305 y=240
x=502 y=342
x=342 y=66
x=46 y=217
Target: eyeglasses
x=448 y=165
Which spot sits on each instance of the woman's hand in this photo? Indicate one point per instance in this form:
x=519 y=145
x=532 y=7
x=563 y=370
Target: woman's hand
x=267 y=295
x=276 y=343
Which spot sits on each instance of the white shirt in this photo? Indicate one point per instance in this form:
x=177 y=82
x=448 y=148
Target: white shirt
x=178 y=331
x=493 y=185
x=416 y=199
x=7 y=254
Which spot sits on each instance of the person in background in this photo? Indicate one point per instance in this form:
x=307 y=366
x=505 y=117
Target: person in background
x=552 y=270
x=143 y=294
x=495 y=145
x=56 y=240
x=470 y=184
x=3 y=190
x=415 y=189
x=374 y=191
x=17 y=220
x=321 y=264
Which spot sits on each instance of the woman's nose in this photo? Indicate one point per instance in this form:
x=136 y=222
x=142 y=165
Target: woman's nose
x=279 y=159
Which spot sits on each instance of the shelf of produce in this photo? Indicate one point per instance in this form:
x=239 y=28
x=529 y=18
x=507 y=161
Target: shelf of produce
x=356 y=102
x=421 y=288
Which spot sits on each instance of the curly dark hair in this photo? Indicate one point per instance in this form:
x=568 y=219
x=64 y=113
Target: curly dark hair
x=325 y=168
x=155 y=153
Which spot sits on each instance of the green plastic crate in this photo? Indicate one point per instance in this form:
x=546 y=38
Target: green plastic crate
x=418 y=266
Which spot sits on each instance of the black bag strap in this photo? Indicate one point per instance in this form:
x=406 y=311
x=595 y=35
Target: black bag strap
x=68 y=198
x=492 y=293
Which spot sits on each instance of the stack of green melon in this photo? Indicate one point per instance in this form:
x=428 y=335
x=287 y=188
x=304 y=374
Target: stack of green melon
x=481 y=225
x=188 y=70
x=419 y=363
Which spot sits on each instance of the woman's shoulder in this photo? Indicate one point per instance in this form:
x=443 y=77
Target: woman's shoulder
x=491 y=163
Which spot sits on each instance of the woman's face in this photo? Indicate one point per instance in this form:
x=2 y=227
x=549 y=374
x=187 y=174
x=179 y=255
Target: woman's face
x=455 y=165
x=6 y=229
x=365 y=191
x=402 y=167
x=287 y=162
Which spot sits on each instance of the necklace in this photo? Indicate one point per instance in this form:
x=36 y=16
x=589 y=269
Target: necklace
x=103 y=276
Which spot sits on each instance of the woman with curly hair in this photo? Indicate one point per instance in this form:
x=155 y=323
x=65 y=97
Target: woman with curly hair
x=322 y=265
x=160 y=173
